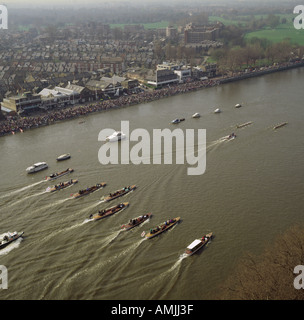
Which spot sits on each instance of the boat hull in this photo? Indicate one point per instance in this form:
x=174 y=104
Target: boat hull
x=3 y=245
x=110 y=211
x=138 y=221
x=120 y=193
x=60 y=174
x=162 y=229
x=190 y=252
x=91 y=190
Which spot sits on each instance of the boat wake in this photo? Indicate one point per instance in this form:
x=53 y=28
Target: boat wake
x=21 y=189
x=173 y=272
x=11 y=246
x=26 y=198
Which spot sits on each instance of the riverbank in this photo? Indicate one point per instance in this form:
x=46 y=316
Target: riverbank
x=16 y=124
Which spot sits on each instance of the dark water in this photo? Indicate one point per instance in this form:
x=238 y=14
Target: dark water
x=252 y=191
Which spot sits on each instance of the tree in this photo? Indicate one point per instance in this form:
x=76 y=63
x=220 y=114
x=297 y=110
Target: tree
x=269 y=276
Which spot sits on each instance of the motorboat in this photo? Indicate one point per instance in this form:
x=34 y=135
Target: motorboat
x=175 y=121
x=229 y=137
x=116 y=136
x=61 y=185
x=238 y=105
x=119 y=193
x=64 y=157
x=87 y=191
x=37 y=167
x=198 y=244
x=110 y=211
x=196 y=115
x=9 y=238
x=56 y=175
x=136 y=221
x=218 y=110
x=161 y=228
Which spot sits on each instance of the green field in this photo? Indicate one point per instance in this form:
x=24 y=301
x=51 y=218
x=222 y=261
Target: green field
x=155 y=25
x=280 y=33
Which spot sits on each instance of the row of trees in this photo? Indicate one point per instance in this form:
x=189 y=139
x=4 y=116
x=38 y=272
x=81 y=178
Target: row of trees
x=255 y=52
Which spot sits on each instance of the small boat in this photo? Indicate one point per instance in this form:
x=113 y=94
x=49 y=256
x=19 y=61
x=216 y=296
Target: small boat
x=9 y=238
x=175 y=121
x=136 y=221
x=37 y=167
x=280 y=125
x=161 y=228
x=198 y=244
x=116 y=136
x=119 y=193
x=217 y=110
x=87 y=191
x=238 y=105
x=196 y=115
x=56 y=175
x=229 y=137
x=64 y=157
x=244 y=124
x=61 y=185
x=109 y=211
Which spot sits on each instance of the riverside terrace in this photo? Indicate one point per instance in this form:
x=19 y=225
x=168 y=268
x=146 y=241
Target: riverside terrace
x=18 y=124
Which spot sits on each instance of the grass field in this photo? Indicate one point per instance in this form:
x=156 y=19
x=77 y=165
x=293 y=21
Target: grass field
x=280 y=33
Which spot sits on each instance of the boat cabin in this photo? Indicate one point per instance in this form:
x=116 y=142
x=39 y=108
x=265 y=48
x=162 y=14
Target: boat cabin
x=194 y=245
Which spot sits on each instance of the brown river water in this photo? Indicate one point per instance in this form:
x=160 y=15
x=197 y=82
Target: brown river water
x=251 y=191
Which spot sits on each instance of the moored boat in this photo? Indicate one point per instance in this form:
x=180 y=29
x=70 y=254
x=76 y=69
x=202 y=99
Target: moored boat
x=37 y=167
x=217 y=110
x=87 y=191
x=196 y=115
x=9 y=238
x=61 y=185
x=198 y=244
x=238 y=105
x=59 y=174
x=119 y=193
x=161 y=228
x=64 y=157
x=175 y=121
x=136 y=221
x=109 y=211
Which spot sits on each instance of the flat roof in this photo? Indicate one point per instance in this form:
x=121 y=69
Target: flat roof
x=194 y=244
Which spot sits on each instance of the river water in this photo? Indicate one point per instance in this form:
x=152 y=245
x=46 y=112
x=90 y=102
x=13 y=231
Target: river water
x=251 y=191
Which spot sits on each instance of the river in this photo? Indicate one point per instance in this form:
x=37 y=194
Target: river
x=251 y=191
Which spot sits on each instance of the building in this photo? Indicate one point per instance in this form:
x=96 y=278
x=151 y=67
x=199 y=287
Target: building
x=197 y=34
x=163 y=77
x=25 y=102
x=183 y=74
x=171 y=32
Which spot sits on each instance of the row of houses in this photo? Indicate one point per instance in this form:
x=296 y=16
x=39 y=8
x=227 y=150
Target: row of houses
x=59 y=97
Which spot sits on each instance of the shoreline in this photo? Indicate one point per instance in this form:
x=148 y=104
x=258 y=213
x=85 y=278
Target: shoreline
x=17 y=124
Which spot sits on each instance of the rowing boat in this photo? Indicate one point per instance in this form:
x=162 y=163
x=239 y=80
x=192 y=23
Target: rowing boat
x=161 y=228
x=56 y=175
x=109 y=211
x=244 y=124
x=61 y=185
x=87 y=191
x=119 y=193
x=9 y=238
x=198 y=244
x=280 y=125
x=136 y=221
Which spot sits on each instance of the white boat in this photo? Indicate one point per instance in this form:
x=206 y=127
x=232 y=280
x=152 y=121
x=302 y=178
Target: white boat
x=196 y=115
x=238 y=105
x=217 y=110
x=37 y=167
x=229 y=137
x=116 y=136
x=175 y=121
x=198 y=244
x=64 y=157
